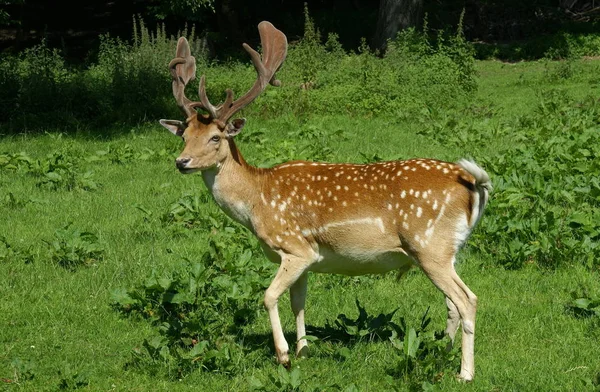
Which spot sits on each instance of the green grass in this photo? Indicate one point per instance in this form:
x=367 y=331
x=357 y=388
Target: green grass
x=58 y=329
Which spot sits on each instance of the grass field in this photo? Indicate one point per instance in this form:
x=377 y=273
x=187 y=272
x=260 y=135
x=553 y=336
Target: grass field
x=59 y=329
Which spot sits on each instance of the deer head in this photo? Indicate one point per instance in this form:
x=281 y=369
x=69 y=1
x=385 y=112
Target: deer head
x=208 y=136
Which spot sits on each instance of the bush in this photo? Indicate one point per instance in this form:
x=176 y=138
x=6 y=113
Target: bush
x=545 y=208
x=129 y=82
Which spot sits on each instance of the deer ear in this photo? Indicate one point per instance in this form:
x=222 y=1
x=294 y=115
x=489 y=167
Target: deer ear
x=235 y=127
x=176 y=127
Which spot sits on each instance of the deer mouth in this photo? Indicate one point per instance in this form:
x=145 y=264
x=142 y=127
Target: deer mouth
x=188 y=170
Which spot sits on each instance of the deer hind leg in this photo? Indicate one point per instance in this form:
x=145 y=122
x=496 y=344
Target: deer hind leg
x=298 y=299
x=290 y=271
x=453 y=321
x=459 y=298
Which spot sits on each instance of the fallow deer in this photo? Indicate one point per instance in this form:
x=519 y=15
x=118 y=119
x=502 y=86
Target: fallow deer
x=343 y=218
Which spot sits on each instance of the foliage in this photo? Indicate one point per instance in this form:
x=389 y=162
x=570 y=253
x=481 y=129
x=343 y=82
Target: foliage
x=304 y=143
x=556 y=46
x=128 y=82
x=72 y=248
x=364 y=327
x=284 y=381
x=545 y=208
x=583 y=304
x=191 y=10
x=58 y=171
x=426 y=356
x=10 y=253
x=199 y=309
x=545 y=205
x=24 y=369
x=71 y=380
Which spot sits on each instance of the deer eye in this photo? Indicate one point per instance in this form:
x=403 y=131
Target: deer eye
x=215 y=139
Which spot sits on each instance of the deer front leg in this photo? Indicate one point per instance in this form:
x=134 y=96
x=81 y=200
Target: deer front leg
x=298 y=299
x=290 y=270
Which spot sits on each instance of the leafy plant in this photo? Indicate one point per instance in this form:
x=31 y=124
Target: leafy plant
x=71 y=380
x=425 y=356
x=24 y=369
x=365 y=326
x=16 y=161
x=546 y=203
x=9 y=253
x=583 y=304
x=194 y=211
x=284 y=381
x=199 y=309
x=58 y=171
x=72 y=248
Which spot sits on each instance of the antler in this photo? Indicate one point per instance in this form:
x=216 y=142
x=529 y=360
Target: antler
x=183 y=70
x=274 y=45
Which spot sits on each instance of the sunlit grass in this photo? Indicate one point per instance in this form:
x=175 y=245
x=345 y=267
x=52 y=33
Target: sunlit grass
x=62 y=321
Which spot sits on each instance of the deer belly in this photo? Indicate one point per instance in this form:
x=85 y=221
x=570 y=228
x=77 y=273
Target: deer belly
x=359 y=261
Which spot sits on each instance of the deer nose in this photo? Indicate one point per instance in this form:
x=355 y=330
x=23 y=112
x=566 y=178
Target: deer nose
x=181 y=163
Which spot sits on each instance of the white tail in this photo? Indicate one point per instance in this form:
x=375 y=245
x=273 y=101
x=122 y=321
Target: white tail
x=334 y=218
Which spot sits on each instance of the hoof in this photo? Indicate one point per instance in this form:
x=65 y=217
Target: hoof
x=284 y=359
x=464 y=377
x=302 y=352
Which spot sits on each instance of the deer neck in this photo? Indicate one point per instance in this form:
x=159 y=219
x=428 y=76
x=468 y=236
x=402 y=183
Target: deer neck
x=234 y=185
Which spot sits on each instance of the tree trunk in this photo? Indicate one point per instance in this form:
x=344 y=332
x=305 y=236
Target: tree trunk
x=395 y=15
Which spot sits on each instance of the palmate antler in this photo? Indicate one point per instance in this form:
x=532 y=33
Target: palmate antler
x=183 y=70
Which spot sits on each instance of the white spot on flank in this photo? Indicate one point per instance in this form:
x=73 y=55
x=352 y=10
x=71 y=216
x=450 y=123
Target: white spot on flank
x=448 y=196
x=410 y=192
x=419 y=212
x=405 y=225
x=282 y=206
x=435 y=205
x=262 y=197
x=273 y=203
x=279 y=239
x=364 y=221
x=417 y=193
x=403 y=194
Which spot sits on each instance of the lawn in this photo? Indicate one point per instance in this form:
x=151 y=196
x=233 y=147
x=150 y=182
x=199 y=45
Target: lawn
x=86 y=216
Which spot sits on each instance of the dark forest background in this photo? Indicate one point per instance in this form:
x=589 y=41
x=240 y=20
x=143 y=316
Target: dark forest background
x=74 y=27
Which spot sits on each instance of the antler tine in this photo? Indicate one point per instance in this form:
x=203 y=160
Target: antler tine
x=274 y=44
x=204 y=99
x=183 y=70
